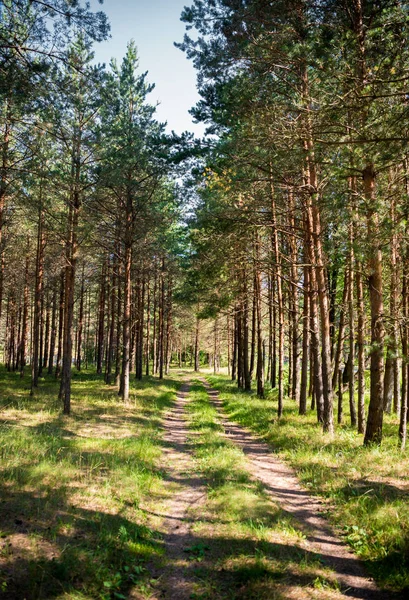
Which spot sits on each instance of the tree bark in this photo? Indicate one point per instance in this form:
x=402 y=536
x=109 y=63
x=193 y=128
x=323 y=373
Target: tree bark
x=373 y=433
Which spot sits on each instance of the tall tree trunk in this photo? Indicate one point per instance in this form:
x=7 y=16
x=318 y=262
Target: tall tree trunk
x=260 y=354
x=148 y=328
x=305 y=341
x=391 y=387
x=245 y=329
x=53 y=330
x=253 y=328
x=5 y=159
x=47 y=332
x=162 y=321
x=235 y=345
x=403 y=417
x=351 y=314
x=155 y=322
x=270 y=326
x=101 y=318
x=60 y=323
x=319 y=264
x=168 y=352
x=111 y=337
x=197 y=344
x=80 y=320
x=280 y=302
x=341 y=333
x=373 y=433
x=318 y=394
x=360 y=349
x=126 y=335
x=38 y=293
x=24 y=325
x=69 y=297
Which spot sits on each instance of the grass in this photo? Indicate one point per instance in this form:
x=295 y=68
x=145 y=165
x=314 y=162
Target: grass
x=246 y=546
x=70 y=525
x=366 y=488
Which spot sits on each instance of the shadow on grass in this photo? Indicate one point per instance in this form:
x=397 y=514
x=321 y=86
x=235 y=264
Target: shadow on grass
x=50 y=549
x=52 y=540
x=223 y=567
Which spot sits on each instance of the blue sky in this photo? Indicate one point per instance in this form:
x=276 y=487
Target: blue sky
x=155 y=25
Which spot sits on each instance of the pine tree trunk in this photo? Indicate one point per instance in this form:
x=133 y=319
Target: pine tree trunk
x=351 y=315
x=126 y=335
x=318 y=394
x=391 y=385
x=260 y=354
x=245 y=313
x=111 y=335
x=38 y=294
x=148 y=328
x=197 y=345
x=402 y=433
x=162 y=321
x=361 y=349
x=60 y=323
x=80 y=321
x=101 y=320
x=253 y=328
x=235 y=346
x=3 y=187
x=318 y=273
x=341 y=333
x=305 y=342
x=53 y=330
x=69 y=296
x=47 y=333
x=294 y=301
x=155 y=324
x=24 y=325
x=280 y=303
x=270 y=327
x=373 y=433
x=168 y=349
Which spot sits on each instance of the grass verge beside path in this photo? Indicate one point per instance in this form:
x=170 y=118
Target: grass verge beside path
x=367 y=488
x=70 y=524
x=246 y=546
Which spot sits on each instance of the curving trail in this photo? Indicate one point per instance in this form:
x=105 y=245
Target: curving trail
x=176 y=577
x=282 y=485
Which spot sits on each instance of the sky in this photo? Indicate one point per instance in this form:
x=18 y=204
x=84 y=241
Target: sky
x=155 y=25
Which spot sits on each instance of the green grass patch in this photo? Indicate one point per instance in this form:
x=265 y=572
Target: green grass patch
x=367 y=488
x=70 y=524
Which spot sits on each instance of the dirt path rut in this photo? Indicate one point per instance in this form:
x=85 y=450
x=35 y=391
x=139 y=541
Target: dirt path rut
x=282 y=485
x=175 y=581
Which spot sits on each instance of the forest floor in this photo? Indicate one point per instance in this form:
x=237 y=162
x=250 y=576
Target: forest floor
x=241 y=526
x=166 y=498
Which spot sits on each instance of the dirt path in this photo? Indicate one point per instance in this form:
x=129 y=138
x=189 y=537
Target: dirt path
x=175 y=582
x=282 y=485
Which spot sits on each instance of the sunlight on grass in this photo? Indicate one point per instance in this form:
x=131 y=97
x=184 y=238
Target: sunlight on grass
x=71 y=527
